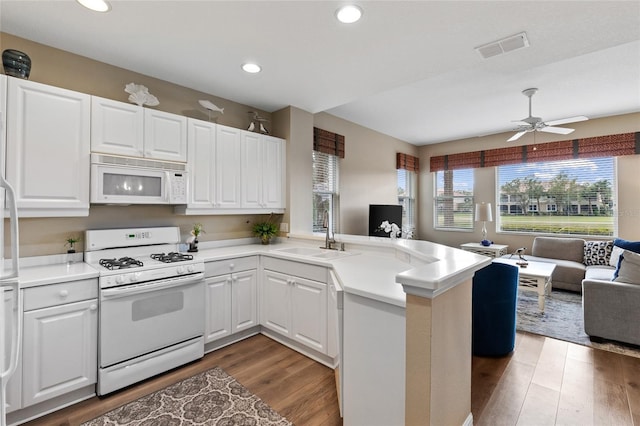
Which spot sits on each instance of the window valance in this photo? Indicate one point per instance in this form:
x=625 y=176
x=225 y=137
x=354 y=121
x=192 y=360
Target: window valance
x=599 y=146
x=407 y=162
x=328 y=142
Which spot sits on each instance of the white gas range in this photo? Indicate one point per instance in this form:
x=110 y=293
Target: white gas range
x=151 y=303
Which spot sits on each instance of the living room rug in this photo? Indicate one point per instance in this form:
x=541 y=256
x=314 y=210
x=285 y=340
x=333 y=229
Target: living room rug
x=209 y=398
x=562 y=320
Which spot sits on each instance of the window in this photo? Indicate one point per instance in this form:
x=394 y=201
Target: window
x=569 y=197
x=325 y=191
x=453 y=202
x=407 y=198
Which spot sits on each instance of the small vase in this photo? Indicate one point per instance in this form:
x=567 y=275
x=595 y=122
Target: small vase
x=16 y=63
x=193 y=247
x=265 y=239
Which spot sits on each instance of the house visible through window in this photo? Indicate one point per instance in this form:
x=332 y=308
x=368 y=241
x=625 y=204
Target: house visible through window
x=325 y=191
x=407 y=198
x=574 y=196
x=453 y=203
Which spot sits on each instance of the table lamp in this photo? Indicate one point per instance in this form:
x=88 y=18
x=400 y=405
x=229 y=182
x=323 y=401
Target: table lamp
x=483 y=213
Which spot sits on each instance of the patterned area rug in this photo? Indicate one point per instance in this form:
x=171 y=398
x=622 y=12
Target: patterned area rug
x=562 y=320
x=209 y=398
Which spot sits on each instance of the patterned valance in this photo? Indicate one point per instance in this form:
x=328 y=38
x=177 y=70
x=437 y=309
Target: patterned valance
x=599 y=146
x=328 y=142
x=407 y=162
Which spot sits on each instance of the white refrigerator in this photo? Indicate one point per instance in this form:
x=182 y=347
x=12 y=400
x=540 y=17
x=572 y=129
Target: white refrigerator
x=11 y=312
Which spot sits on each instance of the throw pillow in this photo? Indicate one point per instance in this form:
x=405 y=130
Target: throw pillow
x=629 y=268
x=597 y=252
x=621 y=244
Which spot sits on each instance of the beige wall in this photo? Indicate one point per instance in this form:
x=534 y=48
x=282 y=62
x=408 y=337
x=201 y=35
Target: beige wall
x=485 y=181
x=367 y=173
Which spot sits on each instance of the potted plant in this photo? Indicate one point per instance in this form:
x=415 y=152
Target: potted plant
x=265 y=231
x=193 y=242
x=70 y=241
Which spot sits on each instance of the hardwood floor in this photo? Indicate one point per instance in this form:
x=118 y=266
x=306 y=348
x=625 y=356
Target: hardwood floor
x=552 y=382
x=297 y=387
x=543 y=382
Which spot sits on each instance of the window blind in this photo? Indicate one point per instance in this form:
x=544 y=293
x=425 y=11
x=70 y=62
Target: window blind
x=325 y=190
x=328 y=142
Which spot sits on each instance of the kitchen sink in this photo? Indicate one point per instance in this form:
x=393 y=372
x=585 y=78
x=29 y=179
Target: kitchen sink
x=316 y=253
x=302 y=251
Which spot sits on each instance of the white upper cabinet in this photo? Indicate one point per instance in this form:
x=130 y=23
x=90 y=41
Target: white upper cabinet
x=116 y=127
x=48 y=142
x=233 y=171
x=165 y=136
x=126 y=129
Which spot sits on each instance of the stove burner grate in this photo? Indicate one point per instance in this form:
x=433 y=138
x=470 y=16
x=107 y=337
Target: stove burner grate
x=171 y=257
x=122 y=263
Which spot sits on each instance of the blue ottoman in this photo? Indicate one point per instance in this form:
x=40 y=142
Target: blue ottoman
x=495 y=294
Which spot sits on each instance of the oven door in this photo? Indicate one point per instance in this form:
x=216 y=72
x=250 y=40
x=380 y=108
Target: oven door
x=142 y=318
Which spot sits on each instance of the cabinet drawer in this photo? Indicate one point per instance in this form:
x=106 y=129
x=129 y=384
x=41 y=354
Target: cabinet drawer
x=57 y=294
x=221 y=267
x=299 y=269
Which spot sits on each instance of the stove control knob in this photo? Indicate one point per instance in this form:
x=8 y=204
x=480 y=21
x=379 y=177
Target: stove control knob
x=191 y=268
x=120 y=279
x=180 y=270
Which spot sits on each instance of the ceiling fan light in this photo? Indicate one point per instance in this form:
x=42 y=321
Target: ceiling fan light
x=96 y=5
x=349 y=14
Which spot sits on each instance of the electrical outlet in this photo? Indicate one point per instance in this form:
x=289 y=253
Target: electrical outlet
x=284 y=227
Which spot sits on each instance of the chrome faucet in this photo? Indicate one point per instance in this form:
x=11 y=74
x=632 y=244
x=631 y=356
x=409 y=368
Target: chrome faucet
x=328 y=242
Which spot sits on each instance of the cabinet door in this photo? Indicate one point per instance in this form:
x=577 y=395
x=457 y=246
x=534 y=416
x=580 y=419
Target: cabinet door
x=309 y=313
x=227 y=167
x=60 y=350
x=116 y=127
x=48 y=149
x=14 y=385
x=165 y=136
x=273 y=172
x=276 y=302
x=244 y=299
x=201 y=149
x=252 y=167
x=218 y=307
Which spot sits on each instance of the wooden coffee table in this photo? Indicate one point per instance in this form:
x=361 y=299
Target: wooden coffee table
x=536 y=276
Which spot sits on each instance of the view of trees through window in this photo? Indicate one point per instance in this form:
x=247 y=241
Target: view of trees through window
x=560 y=197
x=453 y=202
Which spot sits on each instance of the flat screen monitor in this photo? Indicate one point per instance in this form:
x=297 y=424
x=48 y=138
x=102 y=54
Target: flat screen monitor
x=378 y=213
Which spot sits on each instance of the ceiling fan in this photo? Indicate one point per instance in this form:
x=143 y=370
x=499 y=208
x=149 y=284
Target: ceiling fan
x=535 y=124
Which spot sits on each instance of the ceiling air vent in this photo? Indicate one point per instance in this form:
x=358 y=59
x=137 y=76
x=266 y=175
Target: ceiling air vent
x=506 y=45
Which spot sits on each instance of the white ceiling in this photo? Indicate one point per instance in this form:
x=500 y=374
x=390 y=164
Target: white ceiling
x=407 y=69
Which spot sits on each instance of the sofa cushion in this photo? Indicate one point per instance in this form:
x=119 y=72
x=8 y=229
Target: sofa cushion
x=628 y=268
x=559 y=248
x=599 y=272
x=597 y=252
x=618 y=245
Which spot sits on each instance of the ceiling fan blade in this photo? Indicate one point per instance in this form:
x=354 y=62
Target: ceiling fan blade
x=557 y=130
x=567 y=120
x=516 y=136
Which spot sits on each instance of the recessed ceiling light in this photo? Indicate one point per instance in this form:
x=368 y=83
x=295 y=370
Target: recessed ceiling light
x=349 y=14
x=251 y=68
x=96 y=5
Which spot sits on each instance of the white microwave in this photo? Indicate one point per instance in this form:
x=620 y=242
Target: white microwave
x=129 y=180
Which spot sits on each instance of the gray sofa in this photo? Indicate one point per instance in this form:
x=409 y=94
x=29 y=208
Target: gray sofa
x=611 y=309
x=568 y=255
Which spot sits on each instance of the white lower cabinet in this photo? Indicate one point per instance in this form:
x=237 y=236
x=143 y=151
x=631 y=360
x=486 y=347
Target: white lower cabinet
x=232 y=298
x=59 y=350
x=295 y=307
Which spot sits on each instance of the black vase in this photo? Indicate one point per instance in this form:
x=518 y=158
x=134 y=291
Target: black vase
x=16 y=63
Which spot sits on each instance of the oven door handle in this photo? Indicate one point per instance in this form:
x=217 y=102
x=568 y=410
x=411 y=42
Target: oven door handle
x=130 y=290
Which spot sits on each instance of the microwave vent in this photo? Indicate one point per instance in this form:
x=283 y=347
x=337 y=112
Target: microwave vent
x=137 y=162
